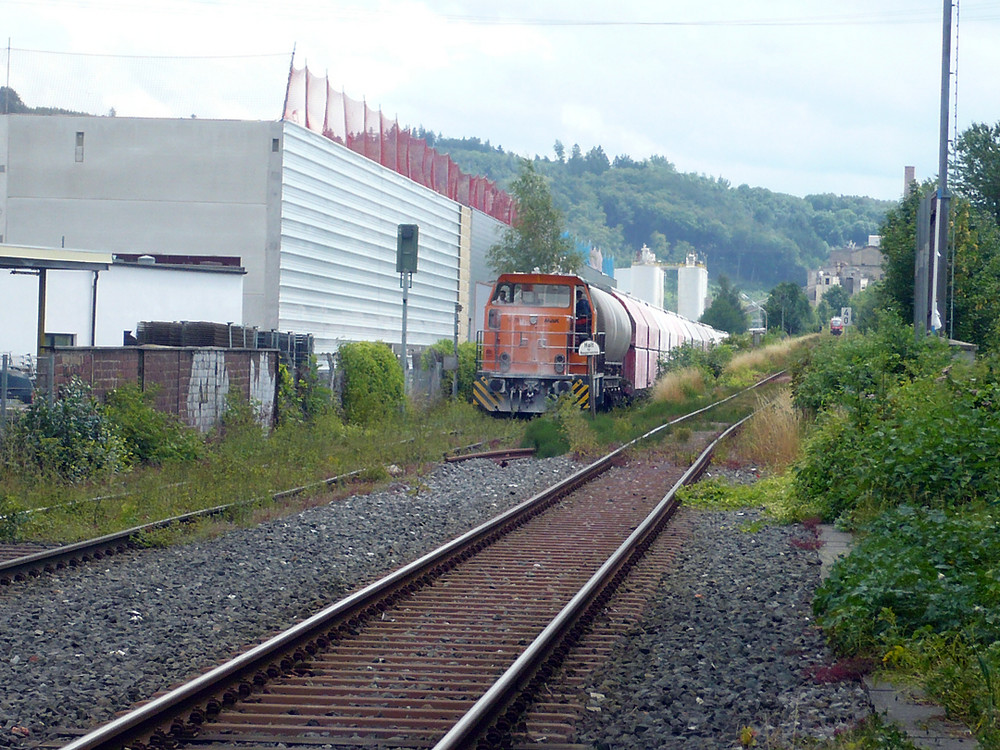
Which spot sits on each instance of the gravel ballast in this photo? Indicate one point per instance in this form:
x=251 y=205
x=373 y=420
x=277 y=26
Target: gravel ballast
x=78 y=646
x=728 y=645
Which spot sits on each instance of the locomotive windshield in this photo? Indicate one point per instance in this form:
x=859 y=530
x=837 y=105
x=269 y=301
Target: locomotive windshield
x=535 y=295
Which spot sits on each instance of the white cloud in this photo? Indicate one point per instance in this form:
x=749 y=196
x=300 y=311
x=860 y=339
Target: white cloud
x=837 y=103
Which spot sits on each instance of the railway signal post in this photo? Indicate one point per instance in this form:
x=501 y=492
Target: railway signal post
x=406 y=265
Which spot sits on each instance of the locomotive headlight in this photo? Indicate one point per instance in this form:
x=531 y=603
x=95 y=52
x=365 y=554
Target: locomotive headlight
x=504 y=362
x=560 y=364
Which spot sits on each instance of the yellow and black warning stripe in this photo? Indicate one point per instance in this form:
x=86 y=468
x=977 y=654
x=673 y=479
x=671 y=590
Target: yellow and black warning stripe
x=483 y=396
x=581 y=394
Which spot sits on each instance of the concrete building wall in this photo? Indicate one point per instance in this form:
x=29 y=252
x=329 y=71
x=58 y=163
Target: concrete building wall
x=136 y=185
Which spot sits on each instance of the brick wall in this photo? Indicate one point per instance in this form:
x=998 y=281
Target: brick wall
x=191 y=382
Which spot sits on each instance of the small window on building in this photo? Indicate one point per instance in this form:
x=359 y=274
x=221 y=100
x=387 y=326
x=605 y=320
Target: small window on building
x=60 y=339
x=79 y=146
x=275 y=145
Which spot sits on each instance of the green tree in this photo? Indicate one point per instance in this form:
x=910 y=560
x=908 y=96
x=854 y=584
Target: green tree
x=898 y=246
x=977 y=167
x=537 y=239
x=597 y=161
x=726 y=313
x=834 y=298
x=10 y=102
x=976 y=276
x=788 y=307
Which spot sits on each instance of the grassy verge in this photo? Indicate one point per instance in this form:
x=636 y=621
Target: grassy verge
x=895 y=440
x=246 y=465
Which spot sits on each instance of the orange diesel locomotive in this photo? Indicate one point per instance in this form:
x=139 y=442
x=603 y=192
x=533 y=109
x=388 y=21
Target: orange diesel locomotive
x=533 y=346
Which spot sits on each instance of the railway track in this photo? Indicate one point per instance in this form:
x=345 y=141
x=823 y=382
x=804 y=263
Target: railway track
x=23 y=560
x=446 y=651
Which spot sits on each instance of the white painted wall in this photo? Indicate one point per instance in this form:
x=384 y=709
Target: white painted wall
x=313 y=223
x=142 y=185
x=126 y=294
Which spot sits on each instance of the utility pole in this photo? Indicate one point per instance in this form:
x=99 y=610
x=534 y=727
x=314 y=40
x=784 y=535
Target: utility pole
x=943 y=199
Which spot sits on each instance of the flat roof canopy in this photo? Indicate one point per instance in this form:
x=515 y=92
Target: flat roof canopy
x=53 y=258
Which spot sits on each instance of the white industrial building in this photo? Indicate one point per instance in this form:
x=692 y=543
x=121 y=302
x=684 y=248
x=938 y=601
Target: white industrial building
x=692 y=288
x=96 y=307
x=644 y=279
x=313 y=223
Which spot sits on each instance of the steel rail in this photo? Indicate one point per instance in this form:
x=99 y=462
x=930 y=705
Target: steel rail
x=271 y=658
x=478 y=720
x=20 y=568
x=498 y=454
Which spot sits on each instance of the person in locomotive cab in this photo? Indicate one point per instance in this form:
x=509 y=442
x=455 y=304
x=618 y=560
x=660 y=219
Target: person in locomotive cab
x=582 y=315
x=504 y=294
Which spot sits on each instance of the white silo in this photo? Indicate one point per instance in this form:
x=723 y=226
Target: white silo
x=692 y=288
x=644 y=279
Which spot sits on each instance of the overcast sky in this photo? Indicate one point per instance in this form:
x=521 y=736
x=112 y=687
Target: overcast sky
x=798 y=96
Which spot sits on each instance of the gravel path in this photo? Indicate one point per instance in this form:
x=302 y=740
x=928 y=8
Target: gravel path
x=78 y=646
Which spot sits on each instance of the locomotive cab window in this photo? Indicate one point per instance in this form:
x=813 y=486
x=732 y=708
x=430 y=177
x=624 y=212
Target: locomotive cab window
x=543 y=295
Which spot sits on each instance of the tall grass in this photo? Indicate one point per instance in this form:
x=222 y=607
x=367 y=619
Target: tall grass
x=248 y=466
x=772 y=438
x=680 y=385
x=750 y=365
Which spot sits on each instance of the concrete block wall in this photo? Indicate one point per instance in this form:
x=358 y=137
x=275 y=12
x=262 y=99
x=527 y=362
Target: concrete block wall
x=191 y=382
x=103 y=373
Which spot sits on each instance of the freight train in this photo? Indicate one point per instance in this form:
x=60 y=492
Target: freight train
x=548 y=335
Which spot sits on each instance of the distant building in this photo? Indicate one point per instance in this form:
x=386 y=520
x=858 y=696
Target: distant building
x=644 y=279
x=852 y=268
x=692 y=288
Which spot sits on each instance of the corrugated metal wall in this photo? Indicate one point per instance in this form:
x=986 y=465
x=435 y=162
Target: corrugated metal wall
x=485 y=232
x=338 y=280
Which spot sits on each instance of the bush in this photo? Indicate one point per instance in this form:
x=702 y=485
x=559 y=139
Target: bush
x=547 y=436
x=466 y=365
x=151 y=436
x=372 y=382
x=914 y=569
x=711 y=361
x=934 y=444
x=858 y=372
x=11 y=519
x=302 y=399
x=72 y=439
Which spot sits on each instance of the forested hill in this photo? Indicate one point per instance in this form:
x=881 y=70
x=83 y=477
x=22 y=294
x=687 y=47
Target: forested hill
x=756 y=237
